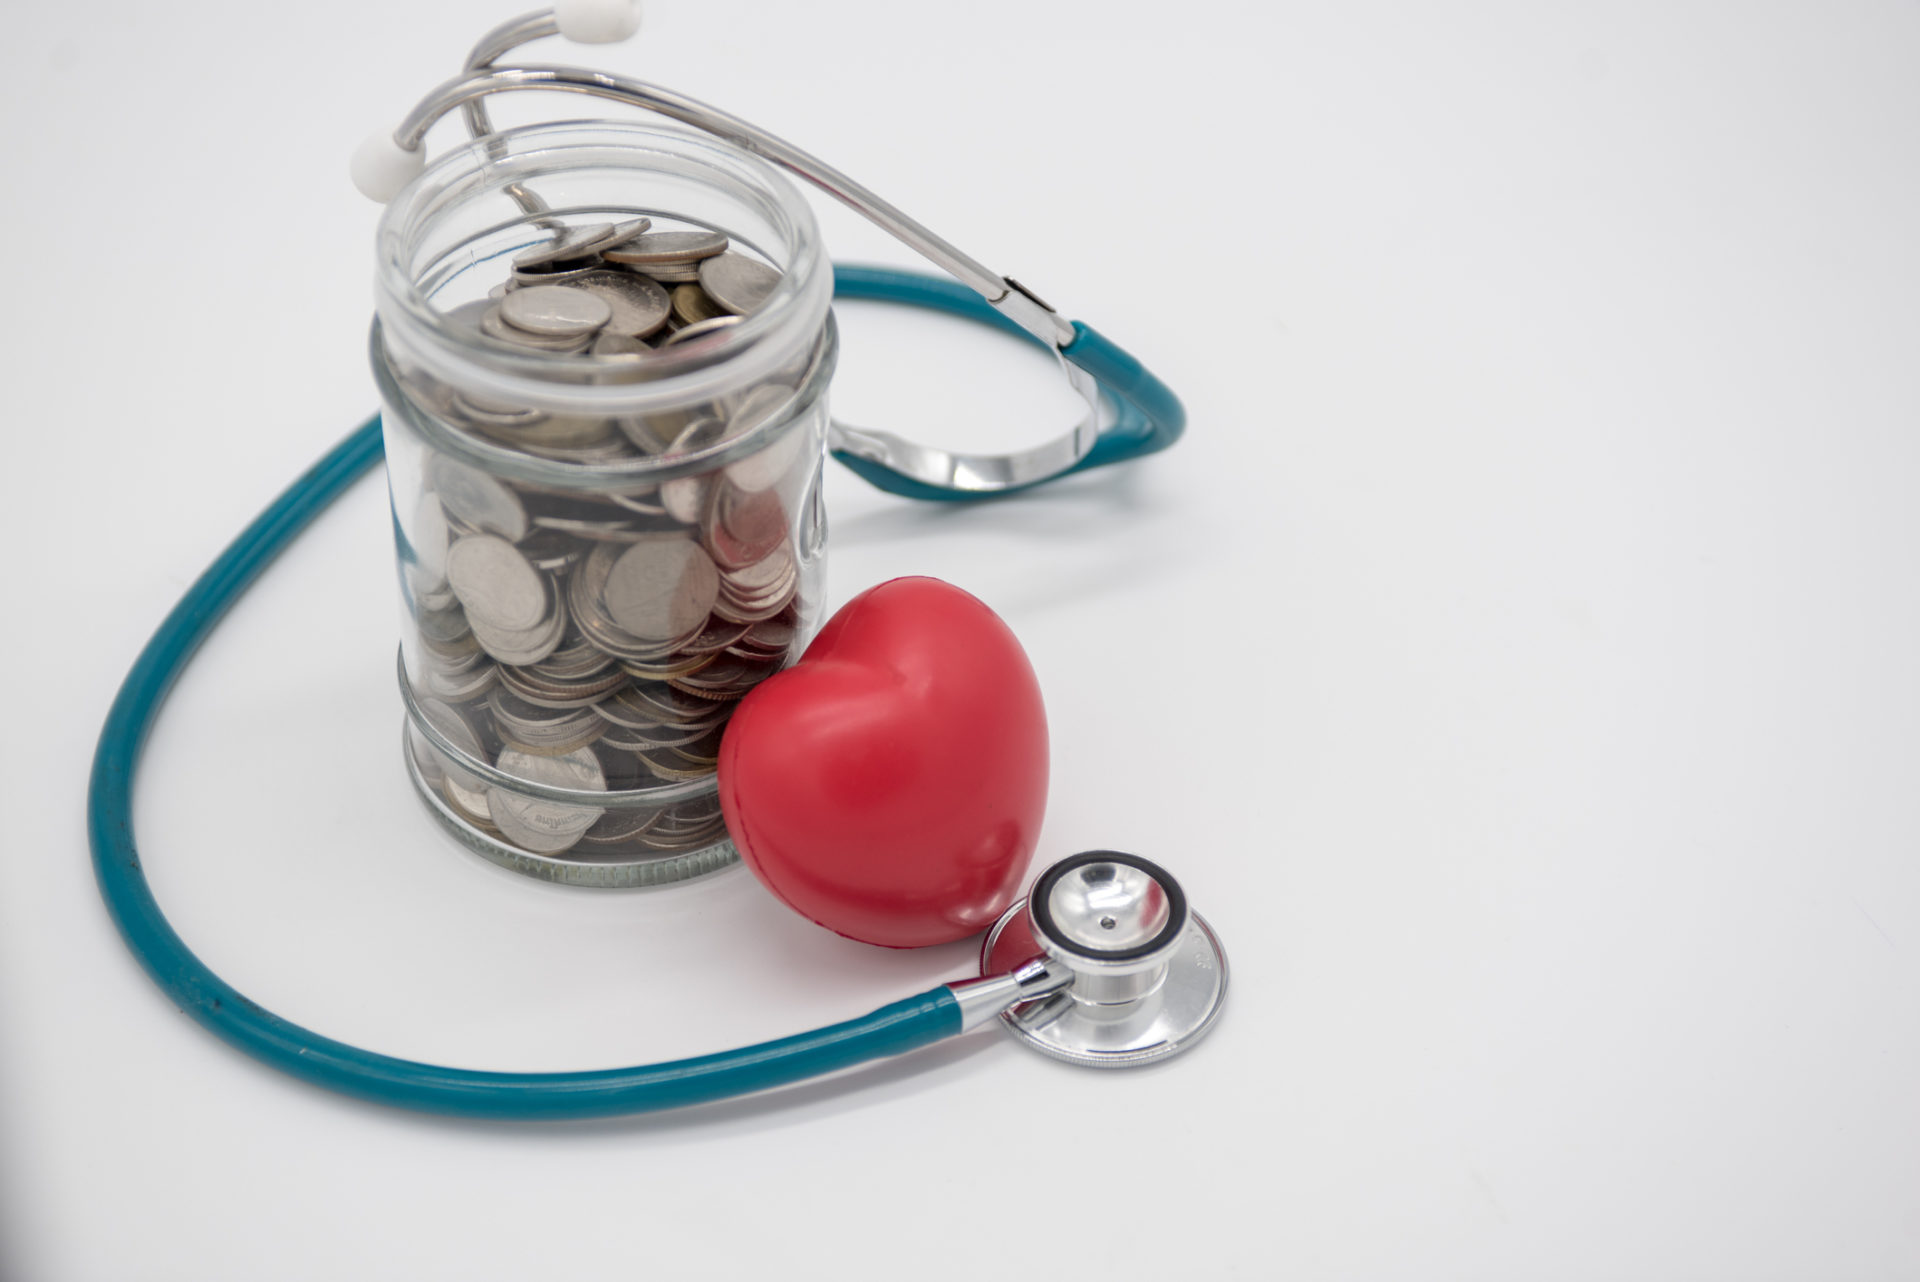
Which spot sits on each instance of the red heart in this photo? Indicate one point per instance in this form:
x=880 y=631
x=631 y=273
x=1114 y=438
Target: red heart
x=891 y=784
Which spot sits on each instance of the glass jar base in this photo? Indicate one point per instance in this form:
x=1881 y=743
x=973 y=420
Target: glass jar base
x=610 y=872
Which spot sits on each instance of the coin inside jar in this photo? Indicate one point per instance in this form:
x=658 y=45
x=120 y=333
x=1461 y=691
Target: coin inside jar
x=572 y=242
x=612 y=620
x=668 y=249
x=736 y=282
x=546 y=827
x=661 y=588
x=495 y=583
x=559 y=311
x=481 y=501
x=638 y=306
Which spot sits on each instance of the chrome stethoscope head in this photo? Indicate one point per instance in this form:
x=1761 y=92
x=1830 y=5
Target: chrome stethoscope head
x=1104 y=964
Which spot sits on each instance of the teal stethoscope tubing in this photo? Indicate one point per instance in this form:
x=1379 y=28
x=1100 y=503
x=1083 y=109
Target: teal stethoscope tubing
x=901 y=1026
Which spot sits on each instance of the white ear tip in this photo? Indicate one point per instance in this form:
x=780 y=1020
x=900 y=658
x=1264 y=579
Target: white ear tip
x=597 y=22
x=382 y=168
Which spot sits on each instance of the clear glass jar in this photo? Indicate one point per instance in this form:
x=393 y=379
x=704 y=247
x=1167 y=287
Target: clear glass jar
x=599 y=554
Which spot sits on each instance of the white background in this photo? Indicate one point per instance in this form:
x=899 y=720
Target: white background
x=1517 y=660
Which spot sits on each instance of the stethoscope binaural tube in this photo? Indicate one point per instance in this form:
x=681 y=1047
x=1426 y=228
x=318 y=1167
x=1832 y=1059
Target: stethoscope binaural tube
x=1032 y=985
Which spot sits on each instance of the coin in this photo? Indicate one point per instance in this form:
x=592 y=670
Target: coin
x=618 y=826
x=700 y=329
x=480 y=501
x=561 y=311
x=485 y=414
x=738 y=283
x=546 y=827
x=624 y=232
x=462 y=787
x=667 y=249
x=572 y=242
x=662 y=587
x=637 y=306
x=522 y=645
x=539 y=730
x=743 y=527
x=606 y=343
x=563 y=273
x=691 y=304
x=496 y=328
x=495 y=583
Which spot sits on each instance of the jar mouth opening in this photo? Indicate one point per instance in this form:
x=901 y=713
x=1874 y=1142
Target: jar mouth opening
x=412 y=270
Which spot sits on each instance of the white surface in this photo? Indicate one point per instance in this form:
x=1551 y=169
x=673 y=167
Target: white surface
x=1517 y=660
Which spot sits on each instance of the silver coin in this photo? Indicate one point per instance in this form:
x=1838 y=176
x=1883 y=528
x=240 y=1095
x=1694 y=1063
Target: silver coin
x=637 y=306
x=522 y=646
x=671 y=273
x=644 y=503
x=735 y=609
x=662 y=588
x=462 y=687
x=546 y=731
x=573 y=242
x=532 y=688
x=484 y=413
x=496 y=584
x=700 y=329
x=576 y=660
x=608 y=343
x=767 y=575
x=667 y=249
x=546 y=827
x=477 y=500
x=624 y=232
x=559 y=311
x=585 y=598
x=674 y=665
x=738 y=283
x=640 y=706
x=444 y=625
x=550 y=552
x=496 y=328
x=551 y=274
x=620 y=826
x=772 y=636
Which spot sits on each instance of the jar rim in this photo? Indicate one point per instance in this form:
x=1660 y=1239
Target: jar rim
x=795 y=309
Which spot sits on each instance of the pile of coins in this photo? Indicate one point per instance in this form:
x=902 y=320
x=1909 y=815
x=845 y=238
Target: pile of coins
x=597 y=638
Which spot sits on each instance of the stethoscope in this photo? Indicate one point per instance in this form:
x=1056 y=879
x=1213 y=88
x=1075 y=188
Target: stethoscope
x=1104 y=963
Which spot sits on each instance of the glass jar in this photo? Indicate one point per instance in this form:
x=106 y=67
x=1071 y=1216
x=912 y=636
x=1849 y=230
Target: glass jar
x=603 y=543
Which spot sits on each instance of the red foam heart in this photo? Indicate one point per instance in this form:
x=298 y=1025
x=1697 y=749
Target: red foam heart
x=891 y=784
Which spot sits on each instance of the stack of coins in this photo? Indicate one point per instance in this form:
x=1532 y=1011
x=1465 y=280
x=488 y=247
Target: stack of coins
x=596 y=638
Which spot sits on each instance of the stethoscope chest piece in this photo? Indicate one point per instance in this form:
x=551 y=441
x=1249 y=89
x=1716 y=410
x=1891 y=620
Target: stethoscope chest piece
x=1148 y=974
